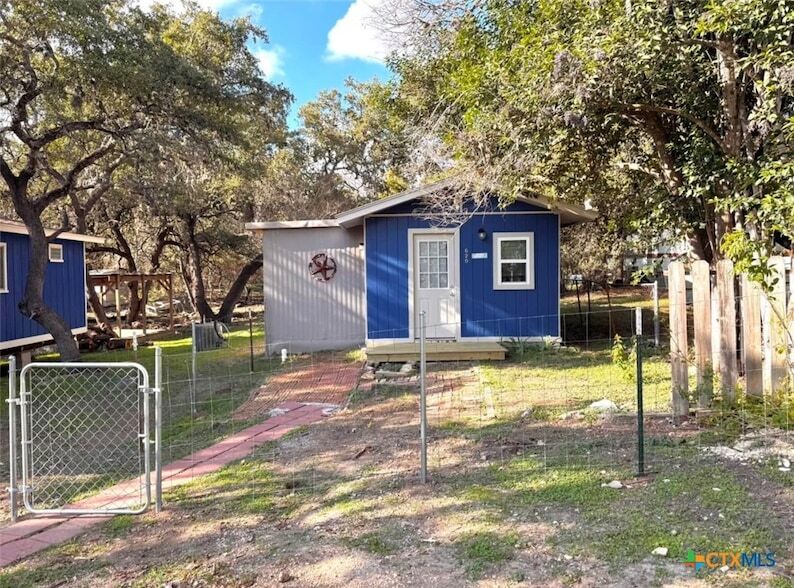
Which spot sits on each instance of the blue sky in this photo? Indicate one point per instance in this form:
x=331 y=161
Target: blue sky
x=313 y=45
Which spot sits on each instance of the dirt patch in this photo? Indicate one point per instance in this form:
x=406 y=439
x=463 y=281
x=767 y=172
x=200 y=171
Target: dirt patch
x=511 y=502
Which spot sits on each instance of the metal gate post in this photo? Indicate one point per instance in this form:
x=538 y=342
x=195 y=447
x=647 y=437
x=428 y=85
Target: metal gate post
x=193 y=331
x=24 y=442
x=12 y=435
x=158 y=419
x=147 y=441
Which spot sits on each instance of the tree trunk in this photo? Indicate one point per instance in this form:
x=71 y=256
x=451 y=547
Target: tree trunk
x=238 y=286
x=97 y=306
x=159 y=248
x=194 y=273
x=136 y=301
x=125 y=252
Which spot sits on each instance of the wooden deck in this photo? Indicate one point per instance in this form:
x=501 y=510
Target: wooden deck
x=436 y=351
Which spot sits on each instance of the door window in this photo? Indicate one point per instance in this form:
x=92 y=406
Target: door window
x=433 y=264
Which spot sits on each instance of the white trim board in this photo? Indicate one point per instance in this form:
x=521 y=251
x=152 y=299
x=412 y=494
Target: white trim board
x=8 y=226
x=36 y=339
x=572 y=212
x=297 y=224
x=366 y=291
x=533 y=339
x=467 y=215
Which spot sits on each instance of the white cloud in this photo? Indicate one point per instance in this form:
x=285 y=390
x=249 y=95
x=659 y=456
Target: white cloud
x=271 y=61
x=252 y=10
x=356 y=35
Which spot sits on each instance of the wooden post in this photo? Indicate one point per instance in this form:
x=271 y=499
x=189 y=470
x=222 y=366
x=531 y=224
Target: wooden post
x=170 y=302
x=118 y=304
x=790 y=324
x=726 y=298
x=678 y=340
x=701 y=313
x=752 y=345
x=715 y=333
x=778 y=339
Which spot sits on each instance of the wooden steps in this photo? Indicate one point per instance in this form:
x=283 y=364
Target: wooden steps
x=436 y=351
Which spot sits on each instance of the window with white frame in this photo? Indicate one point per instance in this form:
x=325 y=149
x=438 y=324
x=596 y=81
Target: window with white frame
x=56 y=252
x=3 y=268
x=514 y=265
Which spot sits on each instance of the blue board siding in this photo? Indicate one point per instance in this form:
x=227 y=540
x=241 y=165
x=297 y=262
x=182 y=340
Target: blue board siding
x=64 y=288
x=485 y=312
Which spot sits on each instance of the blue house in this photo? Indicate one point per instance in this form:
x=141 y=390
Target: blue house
x=365 y=276
x=64 y=285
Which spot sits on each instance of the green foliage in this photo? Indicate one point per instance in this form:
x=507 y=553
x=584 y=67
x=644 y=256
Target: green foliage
x=750 y=413
x=665 y=116
x=118 y=526
x=354 y=136
x=382 y=542
x=136 y=124
x=624 y=358
x=479 y=551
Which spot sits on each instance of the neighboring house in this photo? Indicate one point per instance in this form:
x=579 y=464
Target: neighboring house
x=654 y=260
x=365 y=275
x=64 y=285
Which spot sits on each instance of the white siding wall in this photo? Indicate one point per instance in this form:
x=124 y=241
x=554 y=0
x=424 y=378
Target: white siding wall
x=301 y=313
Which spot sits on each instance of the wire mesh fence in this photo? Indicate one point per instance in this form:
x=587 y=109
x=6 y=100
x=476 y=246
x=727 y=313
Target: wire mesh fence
x=558 y=407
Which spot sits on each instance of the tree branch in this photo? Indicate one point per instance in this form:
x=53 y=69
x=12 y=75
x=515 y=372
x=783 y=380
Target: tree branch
x=55 y=194
x=644 y=108
x=65 y=129
x=105 y=249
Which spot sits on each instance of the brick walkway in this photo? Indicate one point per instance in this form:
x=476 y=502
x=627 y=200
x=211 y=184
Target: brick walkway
x=34 y=534
x=326 y=382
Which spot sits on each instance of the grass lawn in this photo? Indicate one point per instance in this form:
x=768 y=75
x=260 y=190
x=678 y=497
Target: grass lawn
x=608 y=317
x=339 y=503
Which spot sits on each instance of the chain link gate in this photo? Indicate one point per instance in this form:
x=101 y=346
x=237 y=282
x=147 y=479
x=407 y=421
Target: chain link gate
x=85 y=438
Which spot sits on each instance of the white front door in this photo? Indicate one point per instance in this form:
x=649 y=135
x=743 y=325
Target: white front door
x=434 y=285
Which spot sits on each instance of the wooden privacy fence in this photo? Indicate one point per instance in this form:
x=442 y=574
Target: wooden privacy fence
x=737 y=330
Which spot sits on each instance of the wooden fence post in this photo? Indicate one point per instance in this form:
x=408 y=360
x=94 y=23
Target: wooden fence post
x=715 y=332
x=752 y=344
x=701 y=313
x=726 y=297
x=678 y=340
x=778 y=336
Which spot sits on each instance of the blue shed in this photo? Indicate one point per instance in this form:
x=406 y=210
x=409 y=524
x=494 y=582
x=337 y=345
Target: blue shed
x=494 y=275
x=64 y=284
